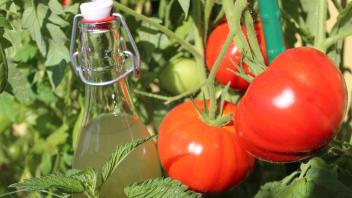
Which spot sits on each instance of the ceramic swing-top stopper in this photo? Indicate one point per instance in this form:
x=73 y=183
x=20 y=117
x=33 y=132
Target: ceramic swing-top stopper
x=96 y=10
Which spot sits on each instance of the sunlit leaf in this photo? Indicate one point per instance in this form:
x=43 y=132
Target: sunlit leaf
x=185 y=4
x=33 y=19
x=20 y=86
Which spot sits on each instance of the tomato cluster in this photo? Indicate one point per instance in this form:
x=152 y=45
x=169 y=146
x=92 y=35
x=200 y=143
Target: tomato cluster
x=289 y=112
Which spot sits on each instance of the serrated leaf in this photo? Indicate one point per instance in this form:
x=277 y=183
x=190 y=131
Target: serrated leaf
x=25 y=53
x=16 y=38
x=57 y=53
x=56 y=7
x=20 y=86
x=3 y=69
x=160 y=188
x=120 y=153
x=61 y=182
x=185 y=4
x=88 y=179
x=57 y=35
x=58 y=20
x=33 y=19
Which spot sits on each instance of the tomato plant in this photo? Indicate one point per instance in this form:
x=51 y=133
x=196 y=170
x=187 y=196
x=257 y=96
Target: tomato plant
x=179 y=76
x=206 y=158
x=215 y=44
x=294 y=108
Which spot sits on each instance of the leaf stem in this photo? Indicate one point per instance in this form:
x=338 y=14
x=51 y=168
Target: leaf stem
x=162 y=28
x=171 y=99
x=333 y=39
x=321 y=27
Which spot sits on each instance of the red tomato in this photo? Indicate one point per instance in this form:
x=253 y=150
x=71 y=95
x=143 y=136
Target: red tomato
x=292 y=109
x=65 y=3
x=215 y=44
x=205 y=158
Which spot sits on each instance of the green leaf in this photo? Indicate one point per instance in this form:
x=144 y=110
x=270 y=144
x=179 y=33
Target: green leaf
x=58 y=181
x=300 y=188
x=25 y=53
x=55 y=19
x=269 y=190
x=120 y=153
x=45 y=94
x=3 y=69
x=57 y=53
x=56 y=7
x=8 y=106
x=343 y=21
x=160 y=188
x=4 y=23
x=88 y=179
x=33 y=19
x=58 y=137
x=185 y=4
x=342 y=26
x=16 y=38
x=20 y=86
x=56 y=73
x=57 y=35
x=316 y=178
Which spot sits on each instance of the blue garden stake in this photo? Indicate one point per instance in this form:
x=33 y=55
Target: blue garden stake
x=270 y=15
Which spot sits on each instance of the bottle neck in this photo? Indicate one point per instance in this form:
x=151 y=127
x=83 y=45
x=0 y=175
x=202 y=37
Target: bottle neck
x=110 y=99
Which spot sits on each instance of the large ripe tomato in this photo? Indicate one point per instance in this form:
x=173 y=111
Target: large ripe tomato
x=294 y=108
x=205 y=158
x=179 y=76
x=214 y=45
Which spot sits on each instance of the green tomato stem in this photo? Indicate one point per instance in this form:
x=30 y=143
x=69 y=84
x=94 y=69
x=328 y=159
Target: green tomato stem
x=321 y=27
x=334 y=39
x=212 y=75
x=242 y=4
x=162 y=28
x=196 y=13
x=208 y=8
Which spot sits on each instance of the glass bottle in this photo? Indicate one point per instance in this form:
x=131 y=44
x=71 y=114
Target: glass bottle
x=108 y=120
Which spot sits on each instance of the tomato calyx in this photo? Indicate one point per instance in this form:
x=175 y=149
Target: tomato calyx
x=246 y=42
x=214 y=109
x=219 y=121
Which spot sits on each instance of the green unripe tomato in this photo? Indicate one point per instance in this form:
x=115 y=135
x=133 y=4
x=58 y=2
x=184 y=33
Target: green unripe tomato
x=179 y=76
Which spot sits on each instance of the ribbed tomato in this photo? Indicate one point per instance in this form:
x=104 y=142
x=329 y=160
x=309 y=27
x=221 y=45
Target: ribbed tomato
x=215 y=44
x=292 y=109
x=205 y=158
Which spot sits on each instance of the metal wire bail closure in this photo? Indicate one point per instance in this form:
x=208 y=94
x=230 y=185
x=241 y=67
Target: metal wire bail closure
x=135 y=58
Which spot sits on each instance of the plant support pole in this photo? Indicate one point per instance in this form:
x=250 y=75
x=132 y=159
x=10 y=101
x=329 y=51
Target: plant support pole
x=270 y=15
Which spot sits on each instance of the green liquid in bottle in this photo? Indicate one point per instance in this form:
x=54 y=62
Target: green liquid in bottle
x=100 y=137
